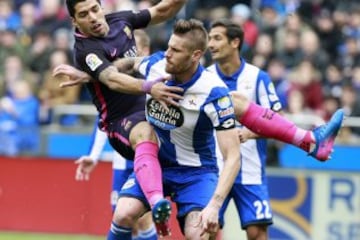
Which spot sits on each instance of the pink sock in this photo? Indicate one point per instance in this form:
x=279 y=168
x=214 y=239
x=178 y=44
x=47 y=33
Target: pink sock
x=148 y=171
x=270 y=124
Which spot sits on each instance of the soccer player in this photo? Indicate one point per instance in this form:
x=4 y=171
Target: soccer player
x=119 y=98
x=122 y=168
x=250 y=190
x=187 y=134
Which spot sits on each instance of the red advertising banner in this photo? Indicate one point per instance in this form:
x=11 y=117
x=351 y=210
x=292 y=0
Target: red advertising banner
x=41 y=195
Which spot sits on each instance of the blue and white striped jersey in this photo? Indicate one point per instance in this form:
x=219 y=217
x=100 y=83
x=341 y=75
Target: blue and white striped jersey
x=258 y=87
x=186 y=133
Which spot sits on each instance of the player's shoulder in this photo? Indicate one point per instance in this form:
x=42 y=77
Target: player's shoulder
x=120 y=15
x=212 y=78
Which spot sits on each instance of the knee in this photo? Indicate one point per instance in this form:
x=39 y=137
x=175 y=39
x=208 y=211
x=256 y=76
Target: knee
x=143 y=131
x=257 y=232
x=125 y=218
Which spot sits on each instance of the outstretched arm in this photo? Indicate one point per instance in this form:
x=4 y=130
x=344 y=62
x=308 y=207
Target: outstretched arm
x=165 y=9
x=86 y=164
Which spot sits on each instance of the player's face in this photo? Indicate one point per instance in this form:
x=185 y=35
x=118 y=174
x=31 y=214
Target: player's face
x=219 y=45
x=178 y=55
x=89 y=18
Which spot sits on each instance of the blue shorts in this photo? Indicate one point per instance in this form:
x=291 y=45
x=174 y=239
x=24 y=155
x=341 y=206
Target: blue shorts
x=252 y=203
x=118 y=179
x=190 y=188
x=119 y=131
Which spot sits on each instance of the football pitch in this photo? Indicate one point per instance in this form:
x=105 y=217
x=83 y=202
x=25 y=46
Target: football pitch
x=45 y=236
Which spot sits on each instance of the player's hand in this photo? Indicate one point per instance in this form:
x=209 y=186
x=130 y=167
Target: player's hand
x=75 y=76
x=85 y=166
x=166 y=95
x=209 y=220
x=243 y=134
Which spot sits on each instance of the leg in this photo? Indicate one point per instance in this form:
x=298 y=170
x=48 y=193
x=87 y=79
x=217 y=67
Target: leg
x=128 y=211
x=191 y=196
x=253 y=205
x=267 y=123
x=146 y=228
x=257 y=232
x=148 y=173
x=192 y=227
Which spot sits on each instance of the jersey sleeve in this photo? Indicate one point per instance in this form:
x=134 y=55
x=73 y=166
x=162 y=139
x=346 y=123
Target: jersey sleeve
x=266 y=94
x=92 y=61
x=153 y=66
x=137 y=19
x=221 y=113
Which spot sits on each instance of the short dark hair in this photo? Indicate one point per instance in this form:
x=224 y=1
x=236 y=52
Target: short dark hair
x=70 y=4
x=195 y=29
x=233 y=30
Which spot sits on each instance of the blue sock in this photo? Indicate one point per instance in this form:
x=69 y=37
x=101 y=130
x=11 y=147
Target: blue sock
x=119 y=233
x=148 y=234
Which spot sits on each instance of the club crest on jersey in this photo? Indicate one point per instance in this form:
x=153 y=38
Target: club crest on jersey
x=93 y=61
x=160 y=117
x=127 y=31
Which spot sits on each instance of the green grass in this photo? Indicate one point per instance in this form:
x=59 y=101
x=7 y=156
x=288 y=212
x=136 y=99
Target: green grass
x=45 y=236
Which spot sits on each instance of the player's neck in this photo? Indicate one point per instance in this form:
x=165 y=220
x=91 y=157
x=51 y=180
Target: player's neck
x=230 y=65
x=187 y=75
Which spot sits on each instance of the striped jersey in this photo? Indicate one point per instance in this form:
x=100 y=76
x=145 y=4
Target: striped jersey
x=187 y=133
x=258 y=87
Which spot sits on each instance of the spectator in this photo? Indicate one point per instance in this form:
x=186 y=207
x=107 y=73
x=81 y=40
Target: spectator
x=351 y=104
x=312 y=51
x=291 y=53
x=13 y=71
x=52 y=16
x=278 y=74
x=263 y=51
x=328 y=32
x=18 y=121
x=40 y=50
x=333 y=81
x=51 y=95
x=26 y=30
x=9 y=45
x=305 y=79
x=9 y=19
x=241 y=14
x=294 y=25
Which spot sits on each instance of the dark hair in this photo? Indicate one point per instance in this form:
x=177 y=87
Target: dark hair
x=70 y=4
x=195 y=30
x=233 y=30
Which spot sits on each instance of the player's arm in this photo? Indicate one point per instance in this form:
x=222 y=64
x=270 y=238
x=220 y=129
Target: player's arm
x=128 y=64
x=87 y=163
x=164 y=10
x=125 y=83
x=229 y=145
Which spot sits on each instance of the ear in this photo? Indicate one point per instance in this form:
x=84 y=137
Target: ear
x=73 y=22
x=235 y=42
x=197 y=55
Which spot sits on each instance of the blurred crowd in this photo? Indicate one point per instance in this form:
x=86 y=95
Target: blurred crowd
x=310 y=48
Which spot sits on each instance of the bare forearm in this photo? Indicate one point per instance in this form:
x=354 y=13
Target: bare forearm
x=226 y=180
x=128 y=64
x=121 y=82
x=165 y=10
